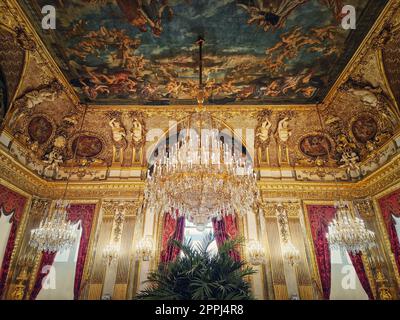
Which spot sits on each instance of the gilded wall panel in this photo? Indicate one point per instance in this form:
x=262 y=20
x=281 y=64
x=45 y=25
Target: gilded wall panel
x=278 y=276
x=98 y=271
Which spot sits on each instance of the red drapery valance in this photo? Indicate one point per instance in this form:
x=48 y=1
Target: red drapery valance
x=390 y=206
x=11 y=203
x=76 y=212
x=173 y=229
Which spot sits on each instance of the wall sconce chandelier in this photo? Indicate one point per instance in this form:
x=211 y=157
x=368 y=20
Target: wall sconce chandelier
x=255 y=252
x=111 y=253
x=290 y=253
x=144 y=248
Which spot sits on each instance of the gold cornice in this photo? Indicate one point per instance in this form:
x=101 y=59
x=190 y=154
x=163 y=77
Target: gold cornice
x=210 y=108
x=16 y=174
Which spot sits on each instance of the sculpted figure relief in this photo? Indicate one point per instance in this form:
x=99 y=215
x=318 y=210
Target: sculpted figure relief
x=284 y=132
x=350 y=161
x=118 y=132
x=31 y=99
x=264 y=131
x=367 y=96
x=373 y=97
x=53 y=161
x=137 y=131
x=37 y=97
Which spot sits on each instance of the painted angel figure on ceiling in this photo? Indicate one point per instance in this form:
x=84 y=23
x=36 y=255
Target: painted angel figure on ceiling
x=270 y=14
x=145 y=13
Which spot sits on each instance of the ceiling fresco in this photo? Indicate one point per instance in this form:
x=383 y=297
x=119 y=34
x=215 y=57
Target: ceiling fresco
x=256 y=52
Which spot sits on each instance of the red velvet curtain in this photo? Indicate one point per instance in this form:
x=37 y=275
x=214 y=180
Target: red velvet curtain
x=84 y=213
x=224 y=229
x=390 y=206
x=174 y=229
x=13 y=204
x=320 y=217
x=76 y=212
x=358 y=264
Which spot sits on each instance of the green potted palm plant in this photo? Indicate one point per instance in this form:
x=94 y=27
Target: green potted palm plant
x=197 y=274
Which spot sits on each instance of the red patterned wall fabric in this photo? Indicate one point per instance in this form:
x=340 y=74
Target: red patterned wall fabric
x=84 y=213
x=76 y=212
x=13 y=204
x=390 y=206
x=320 y=217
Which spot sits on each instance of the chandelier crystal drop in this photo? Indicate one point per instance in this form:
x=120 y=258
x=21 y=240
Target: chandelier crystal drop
x=349 y=232
x=54 y=233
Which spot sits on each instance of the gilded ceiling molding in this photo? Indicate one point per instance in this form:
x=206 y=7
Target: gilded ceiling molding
x=11 y=8
x=368 y=43
x=18 y=175
x=175 y=110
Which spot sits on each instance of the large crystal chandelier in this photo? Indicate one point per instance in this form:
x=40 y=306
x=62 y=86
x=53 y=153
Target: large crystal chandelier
x=349 y=232
x=201 y=176
x=54 y=233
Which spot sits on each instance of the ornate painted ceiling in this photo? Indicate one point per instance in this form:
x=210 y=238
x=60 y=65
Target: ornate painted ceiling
x=256 y=52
